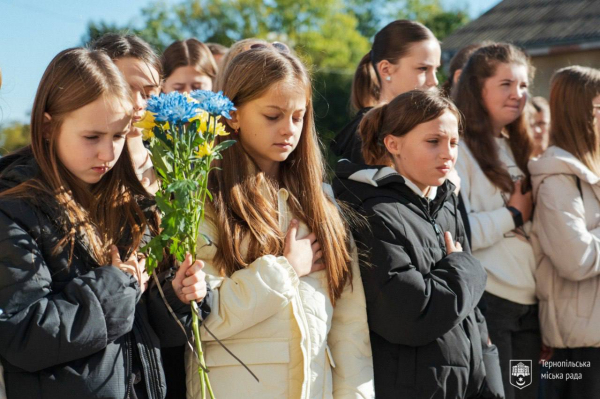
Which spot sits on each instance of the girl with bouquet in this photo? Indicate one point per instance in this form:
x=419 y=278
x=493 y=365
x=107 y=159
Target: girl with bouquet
x=288 y=299
x=78 y=316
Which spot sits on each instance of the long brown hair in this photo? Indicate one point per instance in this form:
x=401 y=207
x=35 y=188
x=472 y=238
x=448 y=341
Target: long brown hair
x=478 y=132
x=246 y=199
x=391 y=43
x=457 y=63
x=190 y=52
x=77 y=77
x=573 y=125
x=398 y=118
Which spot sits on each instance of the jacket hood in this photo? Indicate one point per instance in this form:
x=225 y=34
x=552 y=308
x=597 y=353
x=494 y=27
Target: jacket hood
x=17 y=168
x=556 y=161
x=355 y=184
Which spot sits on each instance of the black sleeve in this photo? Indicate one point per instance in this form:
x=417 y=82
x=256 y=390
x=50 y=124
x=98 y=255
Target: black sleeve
x=465 y=218
x=464 y=228
x=405 y=306
x=40 y=328
x=161 y=319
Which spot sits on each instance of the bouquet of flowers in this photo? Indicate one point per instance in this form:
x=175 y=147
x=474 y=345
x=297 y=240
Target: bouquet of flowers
x=181 y=129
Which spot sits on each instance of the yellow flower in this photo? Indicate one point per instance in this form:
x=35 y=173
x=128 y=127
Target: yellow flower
x=220 y=131
x=202 y=116
x=205 y=149
x=147 y=122
x=147 y=134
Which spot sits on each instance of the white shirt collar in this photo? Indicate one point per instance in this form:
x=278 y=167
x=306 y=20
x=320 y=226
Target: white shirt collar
x=430 y=195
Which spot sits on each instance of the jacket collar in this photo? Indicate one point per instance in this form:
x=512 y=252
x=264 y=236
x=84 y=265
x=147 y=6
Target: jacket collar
x=371 y=176
x=356 y=183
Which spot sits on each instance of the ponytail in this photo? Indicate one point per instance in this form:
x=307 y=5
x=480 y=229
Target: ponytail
x=366 y=87
x=391 y=43
x=373 y=150
x=398 y=118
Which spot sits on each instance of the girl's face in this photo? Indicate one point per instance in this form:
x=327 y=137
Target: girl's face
x=144 y=82
x=426 y=154
x=91 y=138
x=271 y=125
x=416 y=70
x=505 y=94
x=540 y=127
x=186 y=79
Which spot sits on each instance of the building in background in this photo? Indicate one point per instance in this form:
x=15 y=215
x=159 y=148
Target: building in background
x=555 y=33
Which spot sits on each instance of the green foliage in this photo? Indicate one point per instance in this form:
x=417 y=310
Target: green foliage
x=14 y=136
x=321 y=31
x=331 y=36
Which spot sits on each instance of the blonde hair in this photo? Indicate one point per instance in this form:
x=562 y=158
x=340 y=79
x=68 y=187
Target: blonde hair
x=77 y=77
x=246 y=199
x=573 y=127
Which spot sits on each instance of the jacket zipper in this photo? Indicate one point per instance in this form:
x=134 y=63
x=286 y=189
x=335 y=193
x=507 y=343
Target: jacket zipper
x=149 y=363
x=129 y=361
x=436 y=227
x=308 y=344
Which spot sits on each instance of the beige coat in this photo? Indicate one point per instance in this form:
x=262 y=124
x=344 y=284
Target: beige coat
x=566 y=238
x=285 y=329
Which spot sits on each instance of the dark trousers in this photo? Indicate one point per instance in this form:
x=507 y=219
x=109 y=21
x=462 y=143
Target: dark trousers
x=515 y=330
x=586 y=386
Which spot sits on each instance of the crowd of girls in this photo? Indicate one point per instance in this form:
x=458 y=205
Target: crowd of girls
x=461 y=230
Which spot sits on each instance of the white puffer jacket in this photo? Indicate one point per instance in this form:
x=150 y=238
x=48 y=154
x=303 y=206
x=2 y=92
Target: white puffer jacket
x=285 y=329
x=566 y=239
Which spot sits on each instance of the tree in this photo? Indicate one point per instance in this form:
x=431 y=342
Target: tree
x=13 y=136
x=331 y=36
x=321 y=31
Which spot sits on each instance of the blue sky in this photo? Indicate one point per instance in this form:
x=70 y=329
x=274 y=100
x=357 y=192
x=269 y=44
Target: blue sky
x=32 y=32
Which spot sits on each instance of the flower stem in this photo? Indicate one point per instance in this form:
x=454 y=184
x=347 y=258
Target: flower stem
x=198 y=344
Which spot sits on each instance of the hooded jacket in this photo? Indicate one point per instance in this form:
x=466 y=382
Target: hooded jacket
x=427 y=335
x=284 y=328
x=74 y=331
x=566 y=239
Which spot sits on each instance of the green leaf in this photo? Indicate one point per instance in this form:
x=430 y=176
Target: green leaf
x=173 y=224
x=154 y=251
x=224 y=145
x=163 y=204
x=183 y=190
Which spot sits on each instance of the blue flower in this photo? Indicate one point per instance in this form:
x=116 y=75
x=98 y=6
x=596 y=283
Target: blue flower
x=213 y=103
x=173 y=107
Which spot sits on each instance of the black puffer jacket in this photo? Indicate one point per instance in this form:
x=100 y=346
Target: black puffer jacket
x=78 y=331
x=428 y=338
